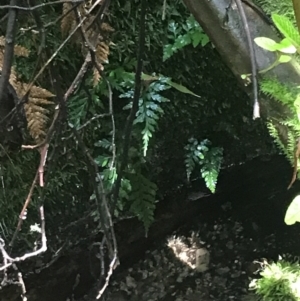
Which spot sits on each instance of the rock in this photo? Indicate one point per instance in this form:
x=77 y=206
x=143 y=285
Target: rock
x=202 y=260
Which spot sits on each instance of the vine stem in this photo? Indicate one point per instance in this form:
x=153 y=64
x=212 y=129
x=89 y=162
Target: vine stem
x=135 y=102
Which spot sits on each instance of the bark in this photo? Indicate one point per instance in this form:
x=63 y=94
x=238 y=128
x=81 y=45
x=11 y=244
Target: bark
x=228 y=36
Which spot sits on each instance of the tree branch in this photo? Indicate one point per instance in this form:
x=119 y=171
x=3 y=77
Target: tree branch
x=8 y=50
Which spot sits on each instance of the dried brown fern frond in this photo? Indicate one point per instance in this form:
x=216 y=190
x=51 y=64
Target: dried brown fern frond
x=21 y=51
x=101 y=56
x=102 y=52
x=37 y=117
x=18 y=50
x=98 y=38
x=35 y=92
x=67 y=21
x=36 y=113
x=37 y=120
x=35 y=109
x=96 y=77
x=106 y=28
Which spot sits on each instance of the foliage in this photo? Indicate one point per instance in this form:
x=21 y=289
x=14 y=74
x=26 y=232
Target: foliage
x=143 y=198
x=149 y=110
x=280 y=281
x=98 y=37
x=286 y=27
x=282 y=7
x=293 y=212
x=193 y=34
x=38 y=98
x=209 y=158
x=176 y=86
x=289 y=45
x=287 y=96
x=161 y=127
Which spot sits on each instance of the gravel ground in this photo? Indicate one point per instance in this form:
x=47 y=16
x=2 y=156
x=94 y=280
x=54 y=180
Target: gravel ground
x=214 y=260
x=214 y=256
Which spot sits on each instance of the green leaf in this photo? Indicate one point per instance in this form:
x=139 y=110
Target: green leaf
x=181 y=88
x=205 y=40
x=293 y=212
x=286 y=46
x=176 y=86
x=284 y=58
x=196 y=38
x=149 y=77
x=266 y=43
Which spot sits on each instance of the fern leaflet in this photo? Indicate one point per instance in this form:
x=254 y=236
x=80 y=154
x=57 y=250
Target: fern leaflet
x=142 y=197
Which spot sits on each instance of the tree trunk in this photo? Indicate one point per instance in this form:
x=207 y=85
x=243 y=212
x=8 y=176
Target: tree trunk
x=227 y=33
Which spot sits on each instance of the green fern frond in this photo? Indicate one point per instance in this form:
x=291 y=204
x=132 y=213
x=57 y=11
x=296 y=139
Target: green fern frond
x=291 y=145
x=274 y=133
x=287 y=28
x=200 y=154
x=282 y=7
x=142 y=198
x=273 y=88
x=211 y=167
x=150 y=110
x=293 y=133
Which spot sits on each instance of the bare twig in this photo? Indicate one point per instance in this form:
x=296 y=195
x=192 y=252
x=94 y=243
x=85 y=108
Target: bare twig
x=10 y=260
x=23 y=287
x=104 y=213
x=52 y=22
x=110 y=271
x=40 y=174
x=95 y=117
x=21 y=216
x=4 y=18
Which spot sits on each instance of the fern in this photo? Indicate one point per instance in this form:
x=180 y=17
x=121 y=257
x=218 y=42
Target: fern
x=199 y=154
x=142 y=198
x=274 y=133
x=287 y=28
x=105 y=143
x=211 y=167
x=195 y=152
x=278 y=91
x=149 y=111
x=282 y=7
x=193 y=35
x=288 y=96
x=37 y=109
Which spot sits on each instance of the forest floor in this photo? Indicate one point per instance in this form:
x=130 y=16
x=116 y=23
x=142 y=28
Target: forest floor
x=234 y=238
x=206 y=249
